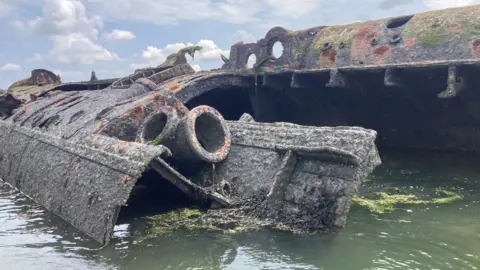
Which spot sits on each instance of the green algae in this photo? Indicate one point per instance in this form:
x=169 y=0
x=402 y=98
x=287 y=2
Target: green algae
x=195 y=220
x=436 y=27
x=158 y=140
x=385 y=202
x=176 y=215
x=336 y=35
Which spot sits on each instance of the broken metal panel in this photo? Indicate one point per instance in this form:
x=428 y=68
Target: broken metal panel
x=450 y=34
x=302 y=177
x=8 y=104
x=70 y=179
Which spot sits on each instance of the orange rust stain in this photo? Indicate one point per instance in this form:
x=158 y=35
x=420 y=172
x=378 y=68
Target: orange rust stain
x=476 y=48
x=362 y=41
x=270 y=68
x=174 y=88
x=410 y=42
x=99 y=128
x=381 y=50
x=137 y=113
x=124 y=143
x=380 y=54
x=286 y=66
x=329 y=57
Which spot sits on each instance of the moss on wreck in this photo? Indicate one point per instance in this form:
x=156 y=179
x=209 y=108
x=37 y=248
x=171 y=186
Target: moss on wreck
x=191 y=50
x=336 y=35
x=158 y=140
x=176 y=215
x=194 y=219
x=385 y=202
x=436 y=27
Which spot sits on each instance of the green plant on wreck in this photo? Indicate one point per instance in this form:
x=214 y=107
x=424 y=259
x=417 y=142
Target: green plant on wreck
x=436 y=27
x=191 y=50
x=256 y=68
x=385 y=203
x=176 y=215
x=158 y=140
x=192 y=220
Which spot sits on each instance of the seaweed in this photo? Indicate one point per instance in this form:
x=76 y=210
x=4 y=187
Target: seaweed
x=385 y=202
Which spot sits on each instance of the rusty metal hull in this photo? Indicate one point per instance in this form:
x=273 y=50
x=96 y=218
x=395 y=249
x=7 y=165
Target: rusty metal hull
x=85 y=184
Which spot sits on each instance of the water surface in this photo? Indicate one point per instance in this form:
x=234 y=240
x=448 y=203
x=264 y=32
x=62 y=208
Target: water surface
x=412 y=237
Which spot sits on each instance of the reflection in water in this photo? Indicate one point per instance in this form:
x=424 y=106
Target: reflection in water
x=412 y=237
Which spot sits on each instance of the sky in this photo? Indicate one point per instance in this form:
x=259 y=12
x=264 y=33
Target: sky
x=114 y=37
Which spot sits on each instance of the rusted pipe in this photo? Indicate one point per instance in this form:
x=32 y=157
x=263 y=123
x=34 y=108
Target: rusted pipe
x=202 y=135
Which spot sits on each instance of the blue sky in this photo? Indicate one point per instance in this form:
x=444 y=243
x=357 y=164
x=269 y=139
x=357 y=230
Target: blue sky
x=113 y=37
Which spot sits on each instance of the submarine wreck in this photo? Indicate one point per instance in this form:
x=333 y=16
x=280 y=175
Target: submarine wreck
x=285 y=142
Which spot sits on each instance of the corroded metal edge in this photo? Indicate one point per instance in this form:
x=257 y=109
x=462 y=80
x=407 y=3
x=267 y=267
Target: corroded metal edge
x=83 y=183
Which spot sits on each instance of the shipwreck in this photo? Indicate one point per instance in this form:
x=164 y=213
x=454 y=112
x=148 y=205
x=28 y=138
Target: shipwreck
x=286 y=142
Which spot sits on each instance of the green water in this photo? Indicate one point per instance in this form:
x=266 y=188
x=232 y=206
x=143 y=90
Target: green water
x=412 y=237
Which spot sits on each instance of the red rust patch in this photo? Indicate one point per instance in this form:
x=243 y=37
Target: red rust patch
x=329 y=57
x=362 y=42
x=381 y=50
x=476 y=48
x=174 y=88
x=126 y=180
x=380 y=54
x=137 y=113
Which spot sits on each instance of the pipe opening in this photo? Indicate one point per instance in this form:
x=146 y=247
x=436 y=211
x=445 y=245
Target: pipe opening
x=155 y=126
x=210 y=132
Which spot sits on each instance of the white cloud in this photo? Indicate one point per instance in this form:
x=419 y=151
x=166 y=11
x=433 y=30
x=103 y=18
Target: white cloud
x=5 y=9
x=292 y=9
x=442 y=4
x=245 y=36
x=155 y=56
x=73 y=34
x=231 y=11
x=116 y=35
x=10 y=67
x=77 y=48
x=197 y=68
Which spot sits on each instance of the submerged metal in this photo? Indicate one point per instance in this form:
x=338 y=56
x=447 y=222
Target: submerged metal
x=409 y=79
x=301 y=177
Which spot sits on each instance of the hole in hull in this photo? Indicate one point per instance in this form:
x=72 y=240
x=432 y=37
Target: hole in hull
x=155 y=126
x=397 y=22
x=153 y=195
x=277 y=49
x=209 y=132
x=231 y=102
x=251 y=60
